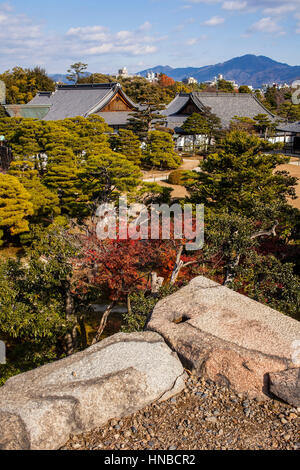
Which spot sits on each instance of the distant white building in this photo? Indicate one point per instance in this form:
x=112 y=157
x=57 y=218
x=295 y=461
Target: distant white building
x=152 y=77
x=278 y=86
x=123 y=73
x=215 y=81
x=190 y=81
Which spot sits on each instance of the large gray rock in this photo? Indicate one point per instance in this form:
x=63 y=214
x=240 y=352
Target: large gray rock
x=114 y=378
x=226 y=336
x=286 y=385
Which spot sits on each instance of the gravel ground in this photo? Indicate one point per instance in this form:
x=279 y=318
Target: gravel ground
x=202 y=417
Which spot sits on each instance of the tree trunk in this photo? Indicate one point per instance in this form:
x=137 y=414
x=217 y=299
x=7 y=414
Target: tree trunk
x=71 y=336
x=103 y=323
x=177 y=267
x=83 y=333
x=129 y=305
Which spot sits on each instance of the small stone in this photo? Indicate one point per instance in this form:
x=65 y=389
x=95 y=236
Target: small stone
x=172 y=448
x=133 y=429
x=211 y=419
x=283 y=421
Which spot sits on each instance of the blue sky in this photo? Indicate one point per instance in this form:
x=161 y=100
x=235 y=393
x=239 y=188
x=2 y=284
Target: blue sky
x=143 y=33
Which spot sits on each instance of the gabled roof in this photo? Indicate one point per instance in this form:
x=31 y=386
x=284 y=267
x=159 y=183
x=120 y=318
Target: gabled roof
x=224 y=105
x=78 y=100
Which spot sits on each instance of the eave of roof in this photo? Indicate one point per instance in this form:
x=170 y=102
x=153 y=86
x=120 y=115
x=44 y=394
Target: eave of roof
x=293 y=127
x=27 y=110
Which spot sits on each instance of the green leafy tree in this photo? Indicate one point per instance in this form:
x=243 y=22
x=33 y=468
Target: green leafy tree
x=270 y=281
x=205 y=124
x=128 y=144
x=15 y=205
x=160 y=151
x=264 y=125
x=26 y=139
x=76 y=71
x=196 y=125
x=225 y=86
x=103 y=177
x=245 y=89
x=290 y=111
x=45 y=202
x=35 y=298
x=142 y=120
x=241 y=176
x=62 y=177
x=23 y=84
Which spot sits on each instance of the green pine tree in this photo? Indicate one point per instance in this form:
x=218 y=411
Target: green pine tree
x=160 y=151
x=15 y=205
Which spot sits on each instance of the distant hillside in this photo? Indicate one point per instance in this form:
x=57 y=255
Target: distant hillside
x=246 y=70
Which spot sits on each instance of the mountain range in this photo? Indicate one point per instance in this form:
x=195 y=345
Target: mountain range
x=246 y=70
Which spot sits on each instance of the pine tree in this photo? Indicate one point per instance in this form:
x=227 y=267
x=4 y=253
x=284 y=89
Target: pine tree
x=15 y=205
x=45 y=202
x=127 y=144
x=142 y=119
x=62 y=177
x=241 y=176
x=160 y=151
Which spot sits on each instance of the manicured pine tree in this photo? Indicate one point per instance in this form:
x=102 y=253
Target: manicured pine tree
x=45 y=202
x=62 y=177
x=15 y=205
x=128 y=144
x=160 y=151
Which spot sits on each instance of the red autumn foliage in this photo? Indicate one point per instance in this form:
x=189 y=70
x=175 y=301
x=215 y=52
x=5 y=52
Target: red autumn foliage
x=165 y=81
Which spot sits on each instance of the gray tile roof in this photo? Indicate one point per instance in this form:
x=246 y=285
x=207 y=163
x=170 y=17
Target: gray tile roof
x=224 y=105
x=77 y=100
x=118 y=118
x=294 y=127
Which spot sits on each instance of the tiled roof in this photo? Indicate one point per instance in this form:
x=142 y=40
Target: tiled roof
x=294 y=127
x=119 y=118
x=27 y=111
x=77 y=100
x=224 y=105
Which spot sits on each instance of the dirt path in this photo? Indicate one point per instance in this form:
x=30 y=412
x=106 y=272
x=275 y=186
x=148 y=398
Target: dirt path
x=294 y=170
x=156 y=176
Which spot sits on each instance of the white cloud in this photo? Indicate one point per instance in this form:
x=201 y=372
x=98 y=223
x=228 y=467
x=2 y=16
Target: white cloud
x=214 y=21
x=266 y=25
x=269 y=7
x=97 y=40
x=234 y=5
x=25 y=42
